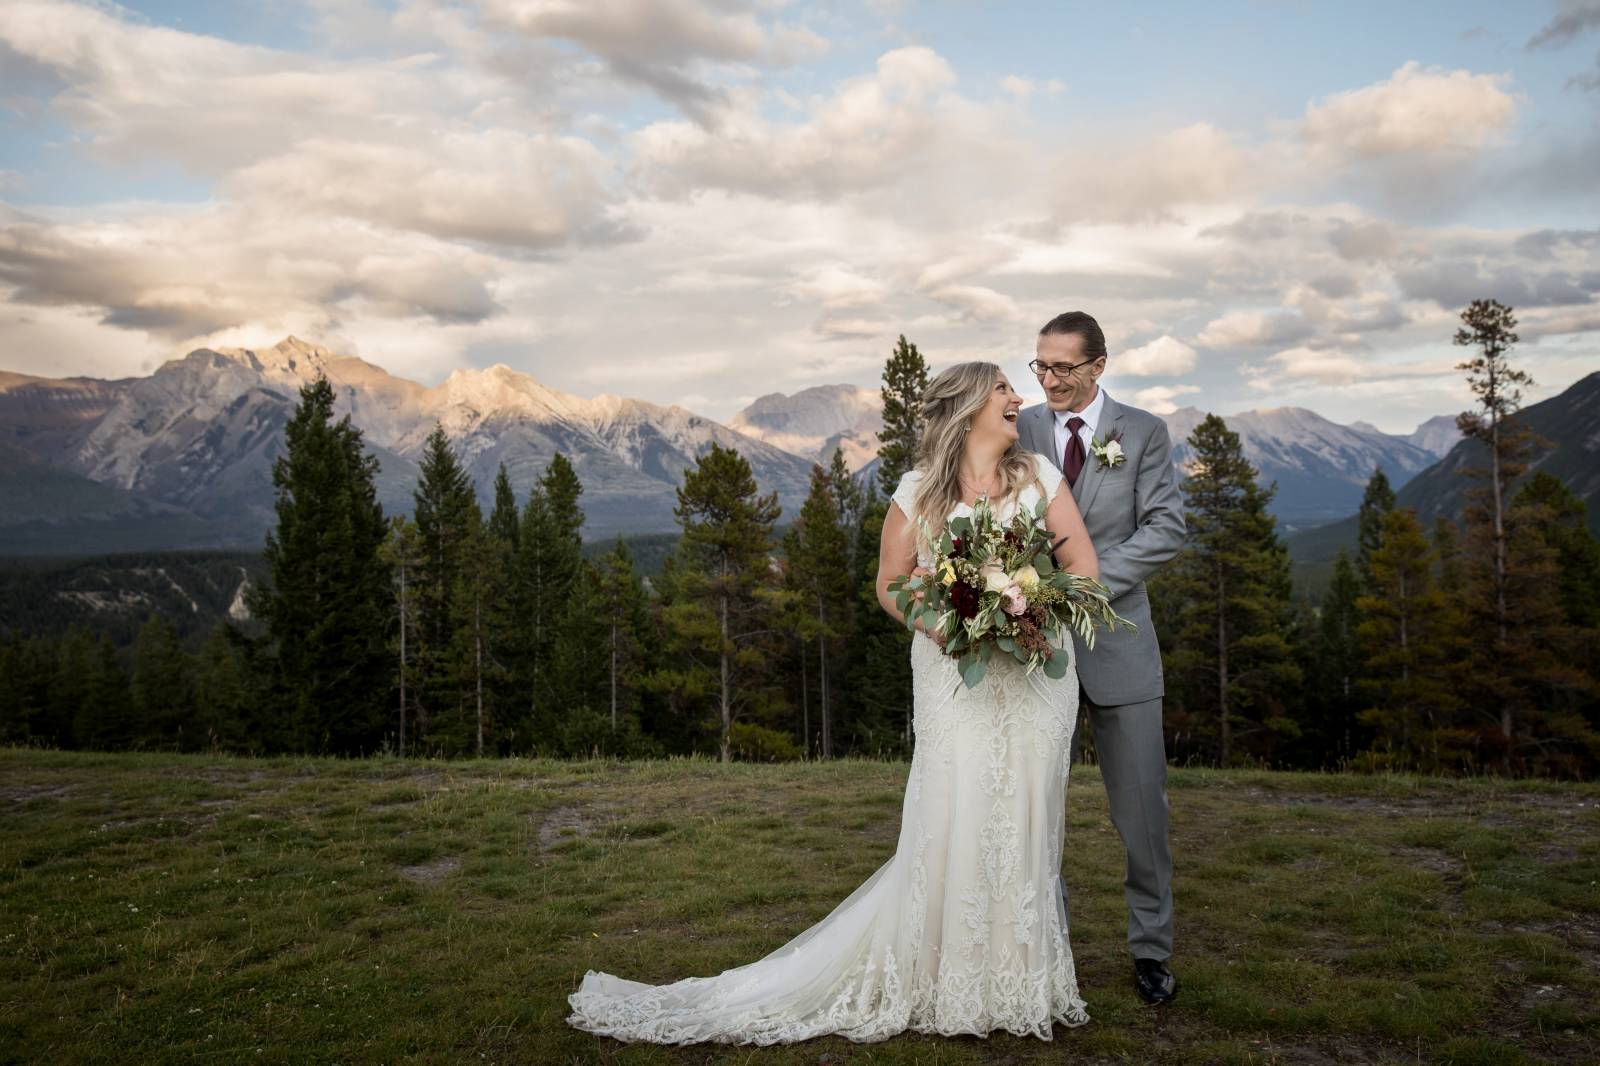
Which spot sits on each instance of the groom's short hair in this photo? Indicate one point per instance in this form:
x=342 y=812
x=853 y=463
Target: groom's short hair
x=1094 y=341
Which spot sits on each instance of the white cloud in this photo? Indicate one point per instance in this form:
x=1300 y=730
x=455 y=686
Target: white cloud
x=494 y=186
x=660 y=43
x=1252 y=328
x=1022 y=88
x=1158 y=399
x=1325 y=367
x=1416 y=111
x=1162 y=356
x=875 y=130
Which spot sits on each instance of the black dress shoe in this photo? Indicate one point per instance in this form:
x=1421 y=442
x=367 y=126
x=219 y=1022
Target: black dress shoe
x=1154 y=981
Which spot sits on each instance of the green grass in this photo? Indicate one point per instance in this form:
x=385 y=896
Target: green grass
x=166 y=908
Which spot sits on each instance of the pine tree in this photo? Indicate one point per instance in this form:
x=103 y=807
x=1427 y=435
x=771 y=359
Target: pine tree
x=818 y=551
x=69 y=688
x=545 y=566
x=444 y=503
x=727 y=534
x=605 y=654
x=1552 y=644
x=503 y=520
x=403 y=552
x=324 y=607
x=905 y=376
x=27 y=667
x=1489 y=327
x=105 y=719
x=1408 y=637
x=163 y=694
x=1338 y=667
x=222 y=693
x=1561 y=517
x=1376 y=501
x=480 y=612
x=879 y=654
x=1234 y=605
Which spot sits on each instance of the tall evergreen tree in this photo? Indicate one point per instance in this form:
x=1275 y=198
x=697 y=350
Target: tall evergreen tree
x=1561 y=517
x=727 y=533
x=879 y=652
x=605 y=654
x=1409 y=635
x=544 y=568
x=1234 y=608
x=69 y=688
x=104 y=721
x=905 y=376
x=818 y=550
x=1376 y=501
x=163 y=689
x=479 y=608
x=1489 y=327
x=324 y=607
x=403 y=552
x=503 y=520
x=1339 y=735
x=445 y=504
x=225 y=708
x=1548 y=658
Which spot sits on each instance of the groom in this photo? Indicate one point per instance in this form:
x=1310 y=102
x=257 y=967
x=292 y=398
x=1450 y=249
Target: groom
x=1128 y=495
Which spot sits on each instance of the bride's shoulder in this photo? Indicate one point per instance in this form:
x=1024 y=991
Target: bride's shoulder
x=906 y=491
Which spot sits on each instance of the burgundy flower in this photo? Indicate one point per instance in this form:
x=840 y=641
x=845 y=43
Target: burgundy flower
x=965 y=599
x=957 y=548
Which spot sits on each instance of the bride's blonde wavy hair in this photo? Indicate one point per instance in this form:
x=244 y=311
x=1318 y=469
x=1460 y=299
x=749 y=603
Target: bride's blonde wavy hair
x=948 y=404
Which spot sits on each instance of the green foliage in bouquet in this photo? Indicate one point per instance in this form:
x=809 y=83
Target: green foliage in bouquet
x=995 y=587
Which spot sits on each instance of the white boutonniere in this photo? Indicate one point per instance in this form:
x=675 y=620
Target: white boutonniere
x=1109 y=450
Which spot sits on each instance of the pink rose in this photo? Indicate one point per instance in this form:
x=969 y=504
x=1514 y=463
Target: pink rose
x=1013 y=600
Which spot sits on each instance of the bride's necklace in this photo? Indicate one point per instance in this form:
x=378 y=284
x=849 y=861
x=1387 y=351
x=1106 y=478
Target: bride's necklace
x=976 y=490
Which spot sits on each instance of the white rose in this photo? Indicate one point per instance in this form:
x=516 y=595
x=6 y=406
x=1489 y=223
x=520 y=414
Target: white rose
x=1025 y=576
x=1113 y=451
x=995 y=578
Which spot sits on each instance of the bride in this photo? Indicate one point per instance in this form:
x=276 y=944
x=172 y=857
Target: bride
x=963 y=930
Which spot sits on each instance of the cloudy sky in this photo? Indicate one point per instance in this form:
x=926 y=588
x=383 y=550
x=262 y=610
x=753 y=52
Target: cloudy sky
x=701 y=201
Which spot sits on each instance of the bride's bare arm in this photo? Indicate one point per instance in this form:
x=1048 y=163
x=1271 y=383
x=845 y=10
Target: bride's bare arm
x=897 y=555
x=1076 y=553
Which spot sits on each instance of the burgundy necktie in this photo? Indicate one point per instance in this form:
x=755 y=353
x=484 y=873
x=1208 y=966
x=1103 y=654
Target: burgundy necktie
x=1072 y=462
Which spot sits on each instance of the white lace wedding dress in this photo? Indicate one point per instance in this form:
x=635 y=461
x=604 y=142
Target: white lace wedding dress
x=961 y=931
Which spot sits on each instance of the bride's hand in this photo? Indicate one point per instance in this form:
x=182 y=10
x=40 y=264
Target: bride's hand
x=936 y=637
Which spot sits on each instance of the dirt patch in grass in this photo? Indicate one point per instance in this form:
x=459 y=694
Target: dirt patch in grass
x=24 y=793
x=431 y=873
x=566 y=823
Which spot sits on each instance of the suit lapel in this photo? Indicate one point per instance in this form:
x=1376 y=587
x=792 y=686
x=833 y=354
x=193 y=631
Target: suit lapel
x=1042 y=430
x=1094 y=471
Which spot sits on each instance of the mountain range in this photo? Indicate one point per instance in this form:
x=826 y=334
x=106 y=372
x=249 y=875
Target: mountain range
x=1320 y=467
x=1568 y=421
x=182 y=458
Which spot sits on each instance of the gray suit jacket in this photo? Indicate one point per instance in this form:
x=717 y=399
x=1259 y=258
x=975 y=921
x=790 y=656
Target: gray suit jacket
x=1135 y=518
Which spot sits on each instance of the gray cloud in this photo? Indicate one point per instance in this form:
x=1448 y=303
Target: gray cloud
x=659 y=43
x=1573 y=19
x=1454 y=284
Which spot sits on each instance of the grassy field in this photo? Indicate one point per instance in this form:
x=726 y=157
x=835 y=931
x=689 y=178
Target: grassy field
x=164 y=908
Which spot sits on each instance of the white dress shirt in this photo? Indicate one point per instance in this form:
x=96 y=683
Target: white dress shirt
x=1091 y=422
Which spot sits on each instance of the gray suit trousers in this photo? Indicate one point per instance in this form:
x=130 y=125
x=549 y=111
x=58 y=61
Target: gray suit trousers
x=1133 y=762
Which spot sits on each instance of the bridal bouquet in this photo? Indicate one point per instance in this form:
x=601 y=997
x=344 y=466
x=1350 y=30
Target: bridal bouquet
x=996 y=588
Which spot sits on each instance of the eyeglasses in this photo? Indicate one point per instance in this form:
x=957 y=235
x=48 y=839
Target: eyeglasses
x=1061 y=370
